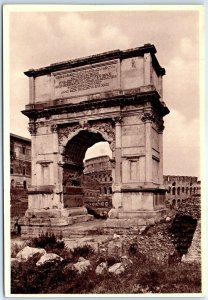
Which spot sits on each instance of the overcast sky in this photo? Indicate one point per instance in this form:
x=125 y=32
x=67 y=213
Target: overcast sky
x=39 y=39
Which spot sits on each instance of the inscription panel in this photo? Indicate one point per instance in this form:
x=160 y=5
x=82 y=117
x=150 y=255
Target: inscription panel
x=91 y=79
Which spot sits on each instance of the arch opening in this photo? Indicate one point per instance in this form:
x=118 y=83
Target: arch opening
x=81 y=189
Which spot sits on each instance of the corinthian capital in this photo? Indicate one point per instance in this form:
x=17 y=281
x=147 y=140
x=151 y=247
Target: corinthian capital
x=148 y=117
x=54 y=128
x=32 y=128
x=118 y=120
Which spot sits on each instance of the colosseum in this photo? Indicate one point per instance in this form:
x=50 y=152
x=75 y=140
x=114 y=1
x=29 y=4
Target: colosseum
x=98 y=170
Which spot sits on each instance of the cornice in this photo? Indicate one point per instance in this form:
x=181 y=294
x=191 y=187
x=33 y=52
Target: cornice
x=34 y=111
x=116 y=54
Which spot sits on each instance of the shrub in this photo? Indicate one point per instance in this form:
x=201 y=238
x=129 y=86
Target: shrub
x=133 y=248
x=111 y=260
x=84 y=251
x=48 y=241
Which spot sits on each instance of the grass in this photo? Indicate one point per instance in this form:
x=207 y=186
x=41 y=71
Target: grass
x=145 y=276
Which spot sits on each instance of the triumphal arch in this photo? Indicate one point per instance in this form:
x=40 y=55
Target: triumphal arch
x=115 y=97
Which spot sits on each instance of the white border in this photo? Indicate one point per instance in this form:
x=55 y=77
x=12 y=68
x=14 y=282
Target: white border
x=7 y=9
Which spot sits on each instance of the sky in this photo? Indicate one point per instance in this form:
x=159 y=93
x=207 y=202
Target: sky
x=41 y=38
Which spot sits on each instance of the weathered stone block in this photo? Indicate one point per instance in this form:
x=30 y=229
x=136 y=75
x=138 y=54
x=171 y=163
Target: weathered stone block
x=61 y=221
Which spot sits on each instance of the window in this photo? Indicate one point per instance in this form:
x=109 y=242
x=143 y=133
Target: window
x=11 y=171
x=23 y=171
x=23 y=150
x=25 y=184
x=173 y=191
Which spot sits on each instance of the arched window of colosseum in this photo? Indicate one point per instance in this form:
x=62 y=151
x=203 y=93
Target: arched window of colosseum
x=190 y=191
x=187 y=190
x=183 y=189
x=110 y=190
x=111 y=179
x=178 y=202
x=178 y=190
x=194 y=190
x=174 y=202
x=173 y=191
x=105 y=190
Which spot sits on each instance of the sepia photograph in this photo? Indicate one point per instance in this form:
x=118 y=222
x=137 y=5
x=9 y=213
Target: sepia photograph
x=102 y=116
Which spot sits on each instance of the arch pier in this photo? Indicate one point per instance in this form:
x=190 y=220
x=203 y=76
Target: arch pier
x=114 y=97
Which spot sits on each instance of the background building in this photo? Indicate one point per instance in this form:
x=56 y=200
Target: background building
x=179 y=188
x=20 y=173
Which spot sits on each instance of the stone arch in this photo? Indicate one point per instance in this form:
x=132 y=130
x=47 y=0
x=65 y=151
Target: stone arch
x=178 y=190
x=104 y=128
x=73 y=153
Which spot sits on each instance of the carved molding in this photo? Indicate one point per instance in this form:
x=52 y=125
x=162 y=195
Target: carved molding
x=64 y=132
x=106 y=128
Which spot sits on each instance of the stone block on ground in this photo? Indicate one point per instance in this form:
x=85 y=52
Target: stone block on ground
x=48 y=258
x=29 y=252
x=117 y=268
x=82 y=265
x=101 y=268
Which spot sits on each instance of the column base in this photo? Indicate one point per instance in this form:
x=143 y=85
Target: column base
x=38 y=221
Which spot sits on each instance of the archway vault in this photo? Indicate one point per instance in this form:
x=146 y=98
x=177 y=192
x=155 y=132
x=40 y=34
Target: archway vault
x=74 y=140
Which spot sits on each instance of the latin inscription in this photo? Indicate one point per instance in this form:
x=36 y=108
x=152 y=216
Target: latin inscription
x=92 y=79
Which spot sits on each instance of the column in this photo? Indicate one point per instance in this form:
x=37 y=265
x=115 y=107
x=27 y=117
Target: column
x=118 y=146
x=148 y=117
x=160 y=132
x=116 y=199
x=57 y=171
x=33 y=130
